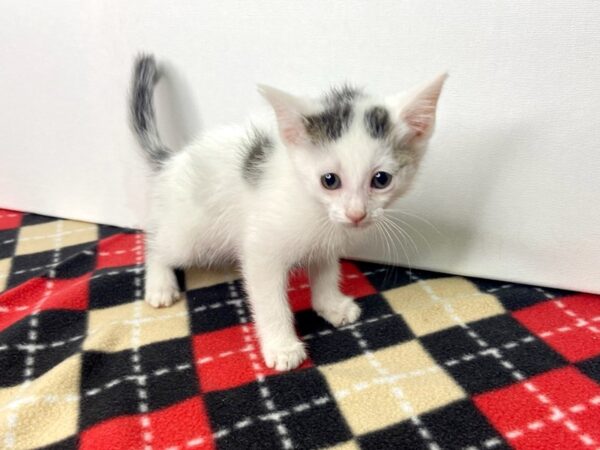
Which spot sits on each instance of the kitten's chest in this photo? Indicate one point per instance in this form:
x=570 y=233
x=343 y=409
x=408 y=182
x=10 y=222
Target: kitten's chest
x=323 y=243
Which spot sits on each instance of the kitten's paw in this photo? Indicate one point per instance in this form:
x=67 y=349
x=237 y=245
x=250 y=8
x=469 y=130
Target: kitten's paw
x=339 y=312
x=284 y=357
x=163 y=297
x=162 y=292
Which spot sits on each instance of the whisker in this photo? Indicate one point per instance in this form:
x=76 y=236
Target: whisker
x=403 y=232
x=392 y=235
x=387 y=247
x=395 y=269
x=416 y=216
x=416 y=230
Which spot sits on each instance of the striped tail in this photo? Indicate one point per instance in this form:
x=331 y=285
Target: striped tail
x=143 y=120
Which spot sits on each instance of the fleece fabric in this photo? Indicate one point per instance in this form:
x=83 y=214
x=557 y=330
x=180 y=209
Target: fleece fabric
x=435 y=361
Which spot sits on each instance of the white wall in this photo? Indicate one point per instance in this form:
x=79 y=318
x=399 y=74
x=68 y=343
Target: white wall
x=512 y=179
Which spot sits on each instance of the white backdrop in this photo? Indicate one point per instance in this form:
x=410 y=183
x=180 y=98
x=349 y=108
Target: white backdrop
x=512 y=180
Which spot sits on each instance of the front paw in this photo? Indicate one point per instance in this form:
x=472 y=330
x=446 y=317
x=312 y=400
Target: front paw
x=162 y=291
x=284 y=356
x=339 y=312
x=161 y=298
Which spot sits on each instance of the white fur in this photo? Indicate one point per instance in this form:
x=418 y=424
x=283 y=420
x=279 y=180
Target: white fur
x=203 y=212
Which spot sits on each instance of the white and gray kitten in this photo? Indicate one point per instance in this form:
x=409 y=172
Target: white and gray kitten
x=291 y=189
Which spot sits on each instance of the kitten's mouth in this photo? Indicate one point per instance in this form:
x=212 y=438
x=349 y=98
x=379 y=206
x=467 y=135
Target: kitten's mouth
x=358 y=226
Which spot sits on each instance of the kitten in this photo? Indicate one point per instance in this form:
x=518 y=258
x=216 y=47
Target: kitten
x=291 y=189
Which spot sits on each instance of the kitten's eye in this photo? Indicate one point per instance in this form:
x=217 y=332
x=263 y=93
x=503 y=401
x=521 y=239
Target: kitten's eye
x=381 y=180
x=331 y=181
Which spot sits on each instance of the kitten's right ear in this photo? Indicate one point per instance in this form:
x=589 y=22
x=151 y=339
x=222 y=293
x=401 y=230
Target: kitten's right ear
x=290 y=111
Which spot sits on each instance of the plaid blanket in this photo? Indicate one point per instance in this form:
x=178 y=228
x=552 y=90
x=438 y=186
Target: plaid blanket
x=435 y=362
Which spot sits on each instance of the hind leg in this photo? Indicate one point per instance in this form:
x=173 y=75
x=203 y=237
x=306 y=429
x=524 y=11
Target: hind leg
x=165 y=252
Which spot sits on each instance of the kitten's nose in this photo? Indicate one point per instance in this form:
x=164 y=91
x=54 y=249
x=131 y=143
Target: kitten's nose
x=356 y=215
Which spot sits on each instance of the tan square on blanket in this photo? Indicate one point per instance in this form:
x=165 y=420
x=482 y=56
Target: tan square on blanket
x=433 y=305
x=197 y=277
x=348 y=445
x=386 y=386
x=135 y=324
x=55 y=234
x=57 y=393
x=4 y=272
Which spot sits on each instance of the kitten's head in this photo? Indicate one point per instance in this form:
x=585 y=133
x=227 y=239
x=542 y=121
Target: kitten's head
x=355 y=153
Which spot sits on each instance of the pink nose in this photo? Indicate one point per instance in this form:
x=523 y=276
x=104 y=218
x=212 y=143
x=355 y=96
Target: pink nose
x=356 y=216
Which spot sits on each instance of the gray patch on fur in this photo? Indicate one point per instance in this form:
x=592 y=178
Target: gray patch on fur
x=377 y=122
x=330 y=124
x=143 y=121
x=342 y=94
x=257 y=147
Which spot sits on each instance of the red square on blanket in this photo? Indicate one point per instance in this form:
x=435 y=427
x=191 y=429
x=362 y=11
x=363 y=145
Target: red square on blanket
x=121 y=250
x=299 y=292
x=43 y=294
x=352 y=283
x=558 y=409
x=183 y=425
x=570 y=325
x=229 y=358
x=9 y=219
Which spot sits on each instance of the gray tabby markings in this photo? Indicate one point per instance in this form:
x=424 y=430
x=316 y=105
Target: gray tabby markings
x=335 y=119
x=377 y=121
x=145 y=76
x=258 y=146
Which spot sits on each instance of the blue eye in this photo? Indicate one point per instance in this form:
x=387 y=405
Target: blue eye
x=331 y=181
x=381 y=180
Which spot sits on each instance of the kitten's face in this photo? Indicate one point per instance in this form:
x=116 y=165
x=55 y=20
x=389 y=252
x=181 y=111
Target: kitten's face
x=355 y=177
x=356 y=154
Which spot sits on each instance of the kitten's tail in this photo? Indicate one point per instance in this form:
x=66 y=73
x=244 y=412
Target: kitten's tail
x=143 y=121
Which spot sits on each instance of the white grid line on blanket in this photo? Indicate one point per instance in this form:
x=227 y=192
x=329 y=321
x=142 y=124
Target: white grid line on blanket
x=265 y=393
x=32 y=335
x=557 y=414
x=358 y=386
x=539 y=424
x=136 y=363
x=138 y=269
x=580 y=322
x=350 y=276
x=467 y=357
x=120 y=251
x=32 y=269
x=165 y=317
x=531 y=426
x=326 y=332
x=397 y=391
x=274 y=416
x=394 y=377
x=47 y=398
x=217 y=305
x=492 y=442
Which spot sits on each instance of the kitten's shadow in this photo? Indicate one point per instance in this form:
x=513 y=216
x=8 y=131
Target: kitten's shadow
x=177 y=114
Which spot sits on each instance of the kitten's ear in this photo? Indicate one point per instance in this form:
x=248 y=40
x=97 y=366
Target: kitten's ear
x=290 y=111
x=418 y=108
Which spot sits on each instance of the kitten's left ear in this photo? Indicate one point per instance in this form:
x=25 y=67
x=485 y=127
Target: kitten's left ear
x=290 y=111
x=419 y=107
